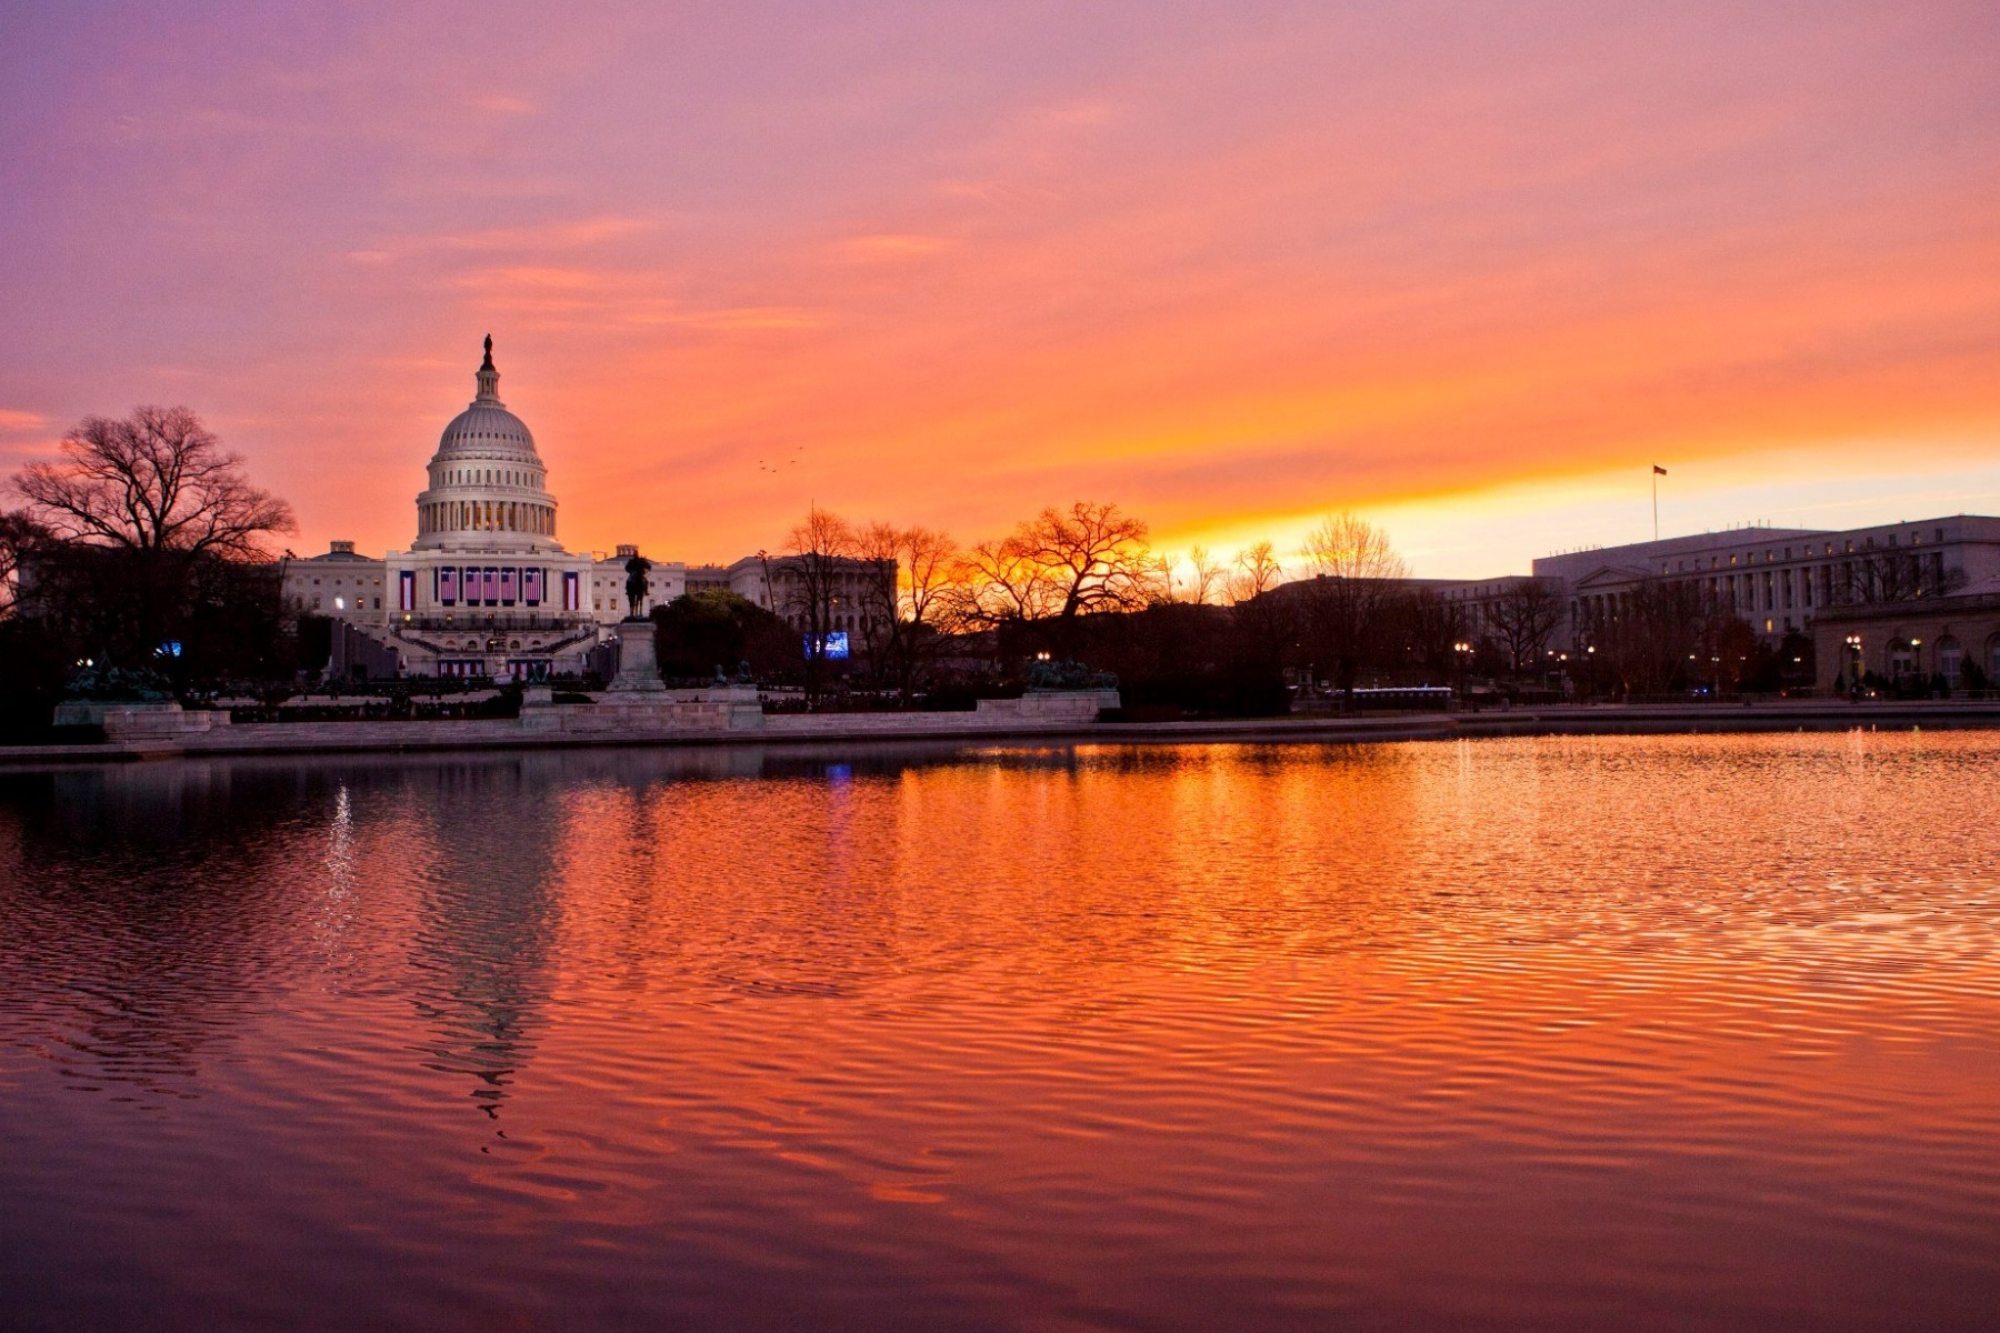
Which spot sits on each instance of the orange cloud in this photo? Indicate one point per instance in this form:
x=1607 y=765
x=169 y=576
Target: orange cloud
x=1227 y=268
x=878 y=249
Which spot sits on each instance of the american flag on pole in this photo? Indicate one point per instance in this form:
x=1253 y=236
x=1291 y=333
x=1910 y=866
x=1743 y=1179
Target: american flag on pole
x=1659 y=471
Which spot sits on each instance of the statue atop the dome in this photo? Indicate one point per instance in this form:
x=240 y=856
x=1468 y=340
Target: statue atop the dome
x=636 y=570
x=489 y=378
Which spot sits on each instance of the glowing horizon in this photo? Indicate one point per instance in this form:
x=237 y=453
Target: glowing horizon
x=1467 y=271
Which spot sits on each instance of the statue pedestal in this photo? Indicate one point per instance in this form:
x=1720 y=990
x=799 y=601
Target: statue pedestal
x=638 y=660
x=740 y=704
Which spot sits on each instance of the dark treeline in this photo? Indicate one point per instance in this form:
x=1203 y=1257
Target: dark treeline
x=1084 y=584
x=1666 y=638
x=1248 y=635
x=713 y=630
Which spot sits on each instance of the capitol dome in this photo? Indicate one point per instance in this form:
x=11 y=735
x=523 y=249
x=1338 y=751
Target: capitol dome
x=488 y=489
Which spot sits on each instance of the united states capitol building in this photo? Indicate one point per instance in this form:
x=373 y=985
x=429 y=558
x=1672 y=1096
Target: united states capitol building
x=486 y=589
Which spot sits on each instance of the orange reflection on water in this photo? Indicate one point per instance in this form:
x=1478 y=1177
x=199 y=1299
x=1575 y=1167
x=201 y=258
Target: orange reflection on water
x=1489 y=1034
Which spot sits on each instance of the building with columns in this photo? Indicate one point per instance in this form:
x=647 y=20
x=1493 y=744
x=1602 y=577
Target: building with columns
x=1893 y=585
x=1915 y=598
x=485 y=589
x=1954 y=637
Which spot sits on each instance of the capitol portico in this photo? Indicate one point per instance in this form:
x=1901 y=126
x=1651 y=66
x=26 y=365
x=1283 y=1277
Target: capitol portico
x=485 y=589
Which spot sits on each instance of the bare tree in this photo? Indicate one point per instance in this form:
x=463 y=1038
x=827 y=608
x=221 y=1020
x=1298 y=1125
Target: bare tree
x=1057 y=566
x=1001 y=580
x=1894 y=575
x=1435 y=626
x=1346 y=546
x=1356 y=583
x=20 y=536
x=1651 y=633
x=1096 y=557
x=1525 y=615
x=156 y=481
x=1257 y=572
x=907 y=580
x=809 y=584
x=878 y=547
x=149 y=524
x=1210 y=577
x=927 y=558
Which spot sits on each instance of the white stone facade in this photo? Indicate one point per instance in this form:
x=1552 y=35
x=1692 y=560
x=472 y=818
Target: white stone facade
x=486 y=589
x=1780 y=579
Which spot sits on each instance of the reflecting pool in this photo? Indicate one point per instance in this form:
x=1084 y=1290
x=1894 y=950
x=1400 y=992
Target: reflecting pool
x=1635 y=1033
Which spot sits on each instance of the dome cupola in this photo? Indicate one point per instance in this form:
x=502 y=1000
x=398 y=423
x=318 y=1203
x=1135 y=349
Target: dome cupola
x=488 y=489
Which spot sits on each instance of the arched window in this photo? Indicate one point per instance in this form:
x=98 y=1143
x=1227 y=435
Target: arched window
x=1950 y=657
x=1902 y=658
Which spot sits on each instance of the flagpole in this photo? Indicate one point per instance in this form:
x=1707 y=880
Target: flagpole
x=1656 y=502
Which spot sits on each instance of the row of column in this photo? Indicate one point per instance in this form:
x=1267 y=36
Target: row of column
x=1803 y=588
x=486 y=516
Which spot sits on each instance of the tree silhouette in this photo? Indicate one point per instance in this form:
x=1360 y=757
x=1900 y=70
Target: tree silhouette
x=157 y=480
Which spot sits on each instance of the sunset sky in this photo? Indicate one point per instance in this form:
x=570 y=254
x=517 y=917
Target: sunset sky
x=1467 y=269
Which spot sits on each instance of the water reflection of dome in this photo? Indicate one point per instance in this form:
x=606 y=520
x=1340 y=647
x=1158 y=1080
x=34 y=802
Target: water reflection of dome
x=485 y=938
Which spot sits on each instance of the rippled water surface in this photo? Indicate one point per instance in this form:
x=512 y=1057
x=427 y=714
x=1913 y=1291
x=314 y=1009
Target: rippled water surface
x=1666 y=1033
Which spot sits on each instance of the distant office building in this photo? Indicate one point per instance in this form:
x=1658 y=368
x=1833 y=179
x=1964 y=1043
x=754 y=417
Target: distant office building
x=1780 y=579
x=1906 y=597
x=852 y=591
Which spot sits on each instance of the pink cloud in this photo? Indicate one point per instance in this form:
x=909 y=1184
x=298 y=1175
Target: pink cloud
x=1238 y=259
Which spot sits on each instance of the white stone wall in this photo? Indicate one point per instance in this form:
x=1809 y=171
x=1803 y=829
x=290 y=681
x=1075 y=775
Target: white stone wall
x=355 y=590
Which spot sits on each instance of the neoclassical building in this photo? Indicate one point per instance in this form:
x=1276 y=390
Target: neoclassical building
x=485 y=589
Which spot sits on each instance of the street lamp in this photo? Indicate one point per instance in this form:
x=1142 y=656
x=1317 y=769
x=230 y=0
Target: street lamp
x=1464 y=651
